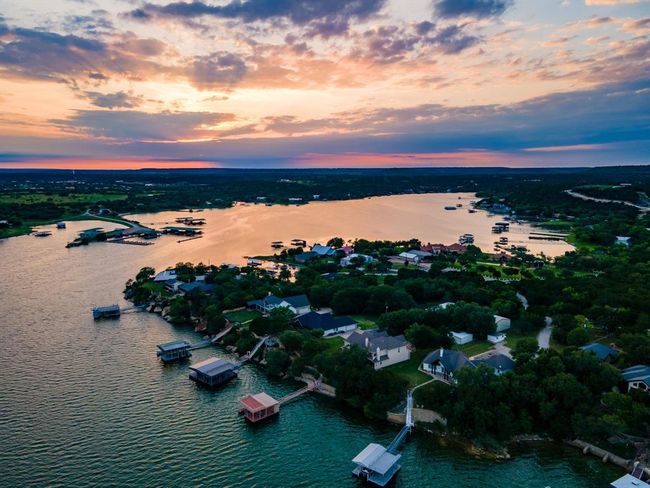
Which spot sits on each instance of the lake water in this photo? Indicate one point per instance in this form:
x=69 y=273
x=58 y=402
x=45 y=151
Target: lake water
x=87 y=403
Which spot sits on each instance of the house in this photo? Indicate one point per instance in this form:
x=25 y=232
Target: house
x=462 y=337
x=323 y=250
x=383 y=349
x=444 y=305
x=501 y=323
x=433 y=249
x=624 y=240
x=327 y=323
x=500 y=363
x=456 y=249
x=637 y=378
x=305 y=257
x=602 y=352
x=445 y=362
x=346 y=250
x=202 y=286
x=172 y=285
x=501 y=257
x=168 y=274
x=213 y=372
x=496 y=338
x=347 y=260
x=298 y=304
x=410 y=256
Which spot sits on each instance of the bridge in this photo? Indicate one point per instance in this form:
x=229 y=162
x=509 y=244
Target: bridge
x=378 y=464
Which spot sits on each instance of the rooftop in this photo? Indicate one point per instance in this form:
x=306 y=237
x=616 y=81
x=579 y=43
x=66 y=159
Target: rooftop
x=639 y=372
x=376 y=339
x=212 y=366
x=324 y=321
x=258 y=401
x=601 y=351
x=170 y=346
x=376 y=458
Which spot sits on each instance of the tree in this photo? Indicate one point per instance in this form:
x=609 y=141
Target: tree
x=280 y=318
x=215 y=319
x=577 y=337
x=525 y=349
x=336 y=242
x=277 y=362
x=145 y=274
x=350 y=300
x=291 y=340
x=179 y=311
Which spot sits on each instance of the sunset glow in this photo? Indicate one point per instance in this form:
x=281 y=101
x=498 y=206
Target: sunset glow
x=361 y=83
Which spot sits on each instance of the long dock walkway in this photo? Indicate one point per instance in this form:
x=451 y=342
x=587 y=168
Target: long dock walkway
x=313 y=385
x=249 y=355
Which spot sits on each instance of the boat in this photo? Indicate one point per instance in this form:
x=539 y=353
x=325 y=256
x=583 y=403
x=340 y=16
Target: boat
x=458 y=205
x=43 y=233
x=298 y=242
x=497 y=229
x=466 y=239
x=277 y=244
x=60 y=225
x=450 y=207
x=503 y=240
x=471 y=210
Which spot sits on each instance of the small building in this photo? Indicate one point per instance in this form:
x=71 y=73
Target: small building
x=602 y=352
x=496 y=338
x=500 y=363
x=213 y=372
x=109 y=312
x=326 y=322
x=410 y=256
x=462 y=337
x=623 y=240
x=347 y=250
x=629 y=481
x=354 y=257
x=445 y=362
x=298 y=304
x=637 y=378
x=168 y=274
x=383 y=349
x=376 y=464
x=501 y=323
x=258 y=407
x=174 y=351
x=323 y=250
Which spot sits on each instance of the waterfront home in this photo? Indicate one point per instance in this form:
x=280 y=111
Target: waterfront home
x=213 y=372
x=348 y=260
x=298 y=304
x=456 y=249
x=602 y=352
x=376 y=464
x=174 y=351
x=462 y=337
x=383 y=349
x=637 y=378
x=327 y=323
x=202 y=286
x=500 y=363
x=501 y=323
x=258 y=407
x=433 y=249
x=172 y=285
x=305 y=257
x=168 y=274
x=323 y=250
x=445 y=362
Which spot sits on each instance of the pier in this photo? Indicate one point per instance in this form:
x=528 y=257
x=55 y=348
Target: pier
x=378 y=464
x=113 y=311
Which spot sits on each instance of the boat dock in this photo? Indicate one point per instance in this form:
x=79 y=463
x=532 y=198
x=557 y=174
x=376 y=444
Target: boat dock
x=113 y=311
x=378 y=464
x=262 y=406
x=174 y=351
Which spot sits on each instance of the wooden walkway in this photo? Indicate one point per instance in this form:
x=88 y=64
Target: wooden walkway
x=313 y=385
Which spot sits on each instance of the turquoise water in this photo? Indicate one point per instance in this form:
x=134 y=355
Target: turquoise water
x=87 y=403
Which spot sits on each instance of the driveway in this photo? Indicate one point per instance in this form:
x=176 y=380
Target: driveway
x=544 y=336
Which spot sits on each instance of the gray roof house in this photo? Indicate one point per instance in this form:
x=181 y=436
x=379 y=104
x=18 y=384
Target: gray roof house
x=637 y=378
x=327 y=322
x=298 y=304
x=323 y=250
x=500 y=363
x=202 y=286
x=383 y=349
x=446 y=362
x=602 y=352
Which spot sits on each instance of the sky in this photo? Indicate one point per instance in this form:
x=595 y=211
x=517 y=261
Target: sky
x=324 y=83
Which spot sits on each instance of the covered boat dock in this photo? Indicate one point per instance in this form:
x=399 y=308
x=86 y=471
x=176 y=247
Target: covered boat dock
x=213 y=372
x=376 y=464
x=174 y=351
x=259 y=406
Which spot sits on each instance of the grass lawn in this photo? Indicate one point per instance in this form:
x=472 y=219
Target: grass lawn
x=366 y=321
x=242 y=316
x=409 y=369
x=334 y=343
x=474 y=348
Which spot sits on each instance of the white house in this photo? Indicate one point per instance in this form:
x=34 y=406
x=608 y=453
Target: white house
x=445 y=362
x=298 y=304
x=496 y=338
x=624 y=240
x=462 y=337
x=347 y=260
x=383 y=349
x=501 y=323
x=168 y=274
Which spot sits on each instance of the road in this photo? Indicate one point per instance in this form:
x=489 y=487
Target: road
x=544 y=336
x=575 y=194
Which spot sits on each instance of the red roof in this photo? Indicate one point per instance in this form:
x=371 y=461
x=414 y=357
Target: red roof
x=253 y=403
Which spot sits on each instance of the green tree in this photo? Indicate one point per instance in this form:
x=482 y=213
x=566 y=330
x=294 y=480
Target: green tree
x=577 y=337
x=277 y=362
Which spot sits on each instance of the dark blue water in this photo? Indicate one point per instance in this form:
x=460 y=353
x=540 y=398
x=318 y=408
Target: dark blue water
x=87 y=403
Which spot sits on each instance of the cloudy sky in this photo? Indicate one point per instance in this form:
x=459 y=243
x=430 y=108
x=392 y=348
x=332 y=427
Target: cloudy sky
x=324 y=83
